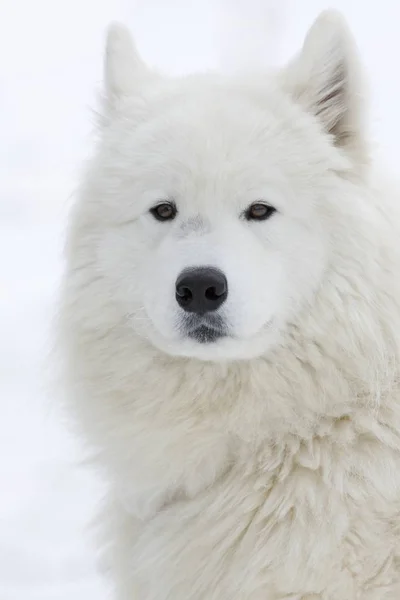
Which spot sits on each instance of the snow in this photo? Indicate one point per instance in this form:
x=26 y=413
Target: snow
x=50 y=68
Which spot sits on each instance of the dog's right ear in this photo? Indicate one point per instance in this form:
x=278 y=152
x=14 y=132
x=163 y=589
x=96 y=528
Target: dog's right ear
x=124 y=71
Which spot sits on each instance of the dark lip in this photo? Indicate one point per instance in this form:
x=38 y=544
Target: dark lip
x=205 y=335
x=204 y=329
x=212 y=321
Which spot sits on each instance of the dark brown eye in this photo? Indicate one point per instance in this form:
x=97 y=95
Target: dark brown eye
x=165 y=211
x=259 y=212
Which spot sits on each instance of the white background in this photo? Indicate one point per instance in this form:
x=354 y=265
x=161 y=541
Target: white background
x=50 y=69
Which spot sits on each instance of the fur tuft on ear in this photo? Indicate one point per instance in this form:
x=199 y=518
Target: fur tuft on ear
x=326 y=79
x=123 y=68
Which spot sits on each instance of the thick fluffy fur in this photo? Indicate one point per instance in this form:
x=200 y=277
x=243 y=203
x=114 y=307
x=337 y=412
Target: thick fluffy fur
x=265 y=465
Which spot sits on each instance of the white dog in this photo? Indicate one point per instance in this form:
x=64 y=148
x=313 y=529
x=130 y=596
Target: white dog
x=230 y=324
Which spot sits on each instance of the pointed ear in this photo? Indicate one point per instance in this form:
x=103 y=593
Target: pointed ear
x=124 y=70
x=326 y=79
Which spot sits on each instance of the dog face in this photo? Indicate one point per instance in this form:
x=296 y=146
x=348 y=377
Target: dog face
x=208 y=199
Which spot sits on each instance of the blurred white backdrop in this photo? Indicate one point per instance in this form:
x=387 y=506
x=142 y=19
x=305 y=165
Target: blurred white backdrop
x=50 y=69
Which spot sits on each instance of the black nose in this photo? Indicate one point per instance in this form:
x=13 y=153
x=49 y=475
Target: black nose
x=201 y=289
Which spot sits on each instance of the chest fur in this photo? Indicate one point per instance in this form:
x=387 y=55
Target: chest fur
x=315 y=517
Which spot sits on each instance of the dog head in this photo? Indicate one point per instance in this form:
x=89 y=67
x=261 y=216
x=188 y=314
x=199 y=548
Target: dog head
x=207 y=210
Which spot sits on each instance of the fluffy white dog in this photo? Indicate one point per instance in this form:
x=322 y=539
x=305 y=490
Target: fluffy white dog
x=230 y=325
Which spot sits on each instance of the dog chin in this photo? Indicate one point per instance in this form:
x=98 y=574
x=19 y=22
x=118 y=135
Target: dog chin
x=216 y=347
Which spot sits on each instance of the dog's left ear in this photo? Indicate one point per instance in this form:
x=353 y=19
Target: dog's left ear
x=125 y=73
x=326 y=79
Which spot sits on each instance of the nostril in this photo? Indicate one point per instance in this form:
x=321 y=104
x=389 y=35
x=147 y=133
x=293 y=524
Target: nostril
x=184 y=292
x=212 y=294
x=184 y=295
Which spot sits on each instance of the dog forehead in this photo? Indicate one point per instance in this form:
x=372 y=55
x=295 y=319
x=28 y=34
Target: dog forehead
x=208 y=145
x=200 y=112
x=221 y=117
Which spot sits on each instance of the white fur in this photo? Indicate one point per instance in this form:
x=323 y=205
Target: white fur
x=265 y=466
